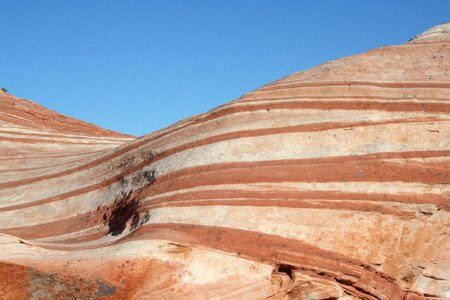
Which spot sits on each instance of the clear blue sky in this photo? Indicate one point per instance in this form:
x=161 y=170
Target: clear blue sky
x=138 y=66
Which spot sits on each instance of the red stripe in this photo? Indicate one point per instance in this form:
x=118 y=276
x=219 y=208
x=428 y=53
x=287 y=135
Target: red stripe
x=338 y=169
x=396 y=85
x=210 y=140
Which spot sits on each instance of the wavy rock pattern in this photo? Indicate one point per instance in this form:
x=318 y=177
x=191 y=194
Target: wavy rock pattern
x=331 y=183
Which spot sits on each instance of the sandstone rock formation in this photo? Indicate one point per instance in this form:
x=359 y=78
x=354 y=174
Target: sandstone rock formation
x=331 y=183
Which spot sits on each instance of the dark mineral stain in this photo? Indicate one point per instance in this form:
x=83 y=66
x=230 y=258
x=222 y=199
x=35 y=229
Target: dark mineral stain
x=144 y=177
x=55 y=285
x=104 y=289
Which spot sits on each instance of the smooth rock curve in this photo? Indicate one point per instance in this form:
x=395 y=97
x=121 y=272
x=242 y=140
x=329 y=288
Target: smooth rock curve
x=330 y=183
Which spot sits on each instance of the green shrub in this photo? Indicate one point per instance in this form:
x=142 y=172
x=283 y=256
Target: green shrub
x=4 y=90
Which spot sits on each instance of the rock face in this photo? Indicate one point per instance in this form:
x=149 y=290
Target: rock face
x=331 y=183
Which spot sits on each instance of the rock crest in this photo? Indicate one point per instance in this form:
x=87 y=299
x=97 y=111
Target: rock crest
x=331 y=183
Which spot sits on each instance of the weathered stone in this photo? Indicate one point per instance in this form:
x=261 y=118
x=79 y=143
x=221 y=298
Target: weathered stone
x=331 y=183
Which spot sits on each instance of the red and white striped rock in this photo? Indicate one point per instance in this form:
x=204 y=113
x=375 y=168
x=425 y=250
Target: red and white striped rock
x=331 y=183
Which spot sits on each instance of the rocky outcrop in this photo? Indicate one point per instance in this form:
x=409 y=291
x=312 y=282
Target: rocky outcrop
x=331 y=183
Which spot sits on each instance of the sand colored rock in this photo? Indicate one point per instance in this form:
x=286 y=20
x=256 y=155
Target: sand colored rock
x=330 y=183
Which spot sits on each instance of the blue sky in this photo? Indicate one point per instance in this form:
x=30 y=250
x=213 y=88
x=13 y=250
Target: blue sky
x=138 y=66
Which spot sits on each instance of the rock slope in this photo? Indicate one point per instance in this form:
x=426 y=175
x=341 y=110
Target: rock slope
x=331 y=183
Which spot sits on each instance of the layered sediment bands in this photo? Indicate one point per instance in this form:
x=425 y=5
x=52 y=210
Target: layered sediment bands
x=330 y=183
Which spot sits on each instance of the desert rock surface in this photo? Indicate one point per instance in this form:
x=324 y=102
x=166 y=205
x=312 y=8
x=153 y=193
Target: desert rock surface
x=330 y=183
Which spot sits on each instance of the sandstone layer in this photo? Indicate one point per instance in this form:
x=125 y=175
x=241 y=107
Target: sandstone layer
x=330 y=183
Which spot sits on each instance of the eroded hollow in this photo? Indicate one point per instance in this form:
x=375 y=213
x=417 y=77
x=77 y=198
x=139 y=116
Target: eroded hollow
x=287 y=269
x=128 y=207
x=121 y=213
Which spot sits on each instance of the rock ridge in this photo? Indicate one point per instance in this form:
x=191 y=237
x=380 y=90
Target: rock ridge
x=330 y=183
